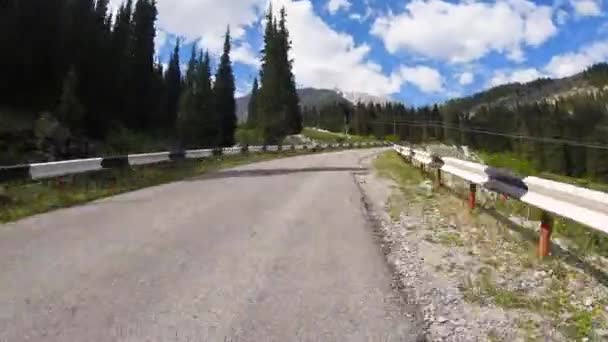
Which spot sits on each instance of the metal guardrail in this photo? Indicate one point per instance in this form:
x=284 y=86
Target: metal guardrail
x=585 y=206
x=38 y=171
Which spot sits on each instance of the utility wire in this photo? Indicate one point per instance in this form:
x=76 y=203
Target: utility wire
x=514 y=136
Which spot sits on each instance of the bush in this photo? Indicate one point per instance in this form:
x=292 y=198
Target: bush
x=124 y=141
x=392 y=138
x=249 y=137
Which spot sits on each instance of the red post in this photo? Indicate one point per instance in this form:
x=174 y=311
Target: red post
x=439 y=181
x=472 y=195
x=546 y=228
x=59 y=182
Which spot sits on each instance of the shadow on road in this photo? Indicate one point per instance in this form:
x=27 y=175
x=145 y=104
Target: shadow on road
x=272 y=172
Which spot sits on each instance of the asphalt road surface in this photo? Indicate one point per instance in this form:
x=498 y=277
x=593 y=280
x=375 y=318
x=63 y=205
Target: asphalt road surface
x=276 y=251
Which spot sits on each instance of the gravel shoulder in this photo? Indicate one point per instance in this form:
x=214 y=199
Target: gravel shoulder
x=474 y=277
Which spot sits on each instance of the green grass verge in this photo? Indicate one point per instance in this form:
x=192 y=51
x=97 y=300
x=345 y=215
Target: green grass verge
x=25 y=199
x=331 y=137
x=391 y=165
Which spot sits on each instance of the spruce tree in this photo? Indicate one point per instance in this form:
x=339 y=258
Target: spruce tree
x=173 y=80
x=223 y=92
x=197 y=123
x=207 y=121
x=252 y=109
x=142 y=64
x=278 y=110
x=121 y=62
x=291 y=100
x=270 y=113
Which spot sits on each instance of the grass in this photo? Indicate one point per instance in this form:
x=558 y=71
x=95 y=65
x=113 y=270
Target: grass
x=331 y=137
x=25 y=199
x=508 y=160
x=578 y=325
x=391 y=165
x=450 y=239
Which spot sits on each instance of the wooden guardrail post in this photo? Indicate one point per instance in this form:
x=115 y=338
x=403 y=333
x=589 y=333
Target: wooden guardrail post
x=472 y=195
x=546 y=228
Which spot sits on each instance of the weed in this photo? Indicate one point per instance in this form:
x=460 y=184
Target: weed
x=450 y=239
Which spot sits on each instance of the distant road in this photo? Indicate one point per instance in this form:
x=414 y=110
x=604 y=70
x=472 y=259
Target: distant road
x=276 y=251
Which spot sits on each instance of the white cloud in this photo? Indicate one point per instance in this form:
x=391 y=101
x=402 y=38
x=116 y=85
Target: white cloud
x=369 y=12
x=466 y=31
x=356 y=16
x=325 y=58
x=571 y=63
x=243 y=88
x=466 y=78
x=518 y=75
x=159 y=41
x=587 y=8
x=334 y=6
x=426 y=79
x=206 y=19
x=561 y=16
x=245 y=54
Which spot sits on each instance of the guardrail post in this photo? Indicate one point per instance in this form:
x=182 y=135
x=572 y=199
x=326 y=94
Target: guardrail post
x=438 y=180
x=60 y=183
x=546 y=228
x=472 y=195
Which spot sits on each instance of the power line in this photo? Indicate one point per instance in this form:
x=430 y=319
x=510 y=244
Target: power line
x=514 y=136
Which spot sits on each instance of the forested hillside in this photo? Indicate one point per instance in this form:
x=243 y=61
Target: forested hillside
x=79 y=81
x=308 y=97
x=559 y=126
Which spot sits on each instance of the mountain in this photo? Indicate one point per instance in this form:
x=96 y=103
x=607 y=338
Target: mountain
x=591 y=81
x=313 y=97
x=358 y=97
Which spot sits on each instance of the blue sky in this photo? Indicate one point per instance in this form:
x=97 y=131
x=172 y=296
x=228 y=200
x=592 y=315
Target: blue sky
x=418 y=52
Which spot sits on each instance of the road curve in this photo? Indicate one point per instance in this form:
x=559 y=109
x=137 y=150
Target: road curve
x=273 y=251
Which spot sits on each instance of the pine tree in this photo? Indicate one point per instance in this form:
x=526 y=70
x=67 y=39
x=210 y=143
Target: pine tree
x=173 y=80
x=223 y=92
x=252 y=109
x=121 y=63
x=207 y=120
x=278 y=104
x=269 y=109
x=142 y=64
x=291 y=99
x=197 y=123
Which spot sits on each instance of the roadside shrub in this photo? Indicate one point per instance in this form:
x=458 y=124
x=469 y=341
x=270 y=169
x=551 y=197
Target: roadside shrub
x=249 y=137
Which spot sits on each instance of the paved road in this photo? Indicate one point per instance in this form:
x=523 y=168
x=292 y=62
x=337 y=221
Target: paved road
x=277 y=251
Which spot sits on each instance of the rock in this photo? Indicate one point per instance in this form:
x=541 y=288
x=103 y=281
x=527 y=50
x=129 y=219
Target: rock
x=588 y=301
x=426 y=188
x=441 y=319
x=442 y=331
x=601 y=332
